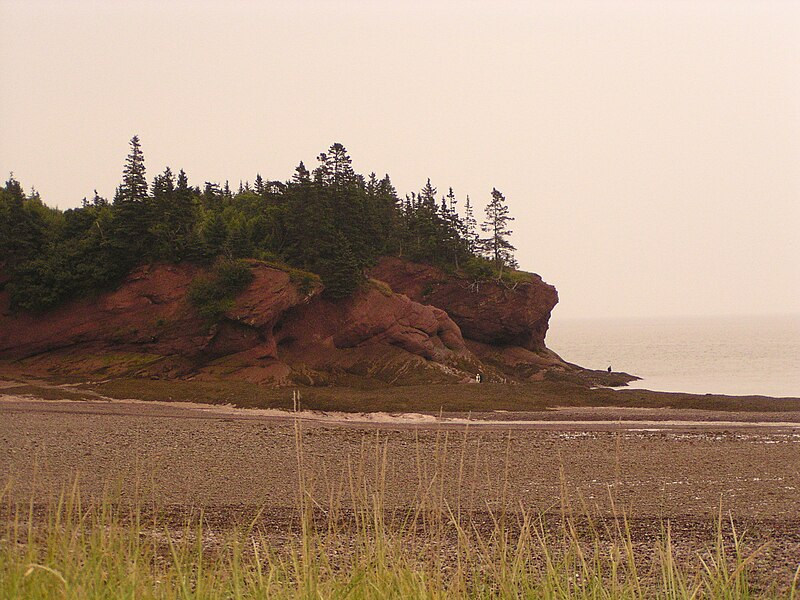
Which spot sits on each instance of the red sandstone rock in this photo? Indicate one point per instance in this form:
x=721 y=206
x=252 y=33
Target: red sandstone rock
x=494 y=313
x=148 y=311
x=372 y=317
x=272 y=333
x=276 y=334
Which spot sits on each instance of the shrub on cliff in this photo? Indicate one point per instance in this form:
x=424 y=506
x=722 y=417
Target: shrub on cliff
x=213 y=294
x=478 y=269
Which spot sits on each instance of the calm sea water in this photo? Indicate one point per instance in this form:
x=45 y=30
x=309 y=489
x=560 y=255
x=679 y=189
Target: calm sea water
x=725 y=355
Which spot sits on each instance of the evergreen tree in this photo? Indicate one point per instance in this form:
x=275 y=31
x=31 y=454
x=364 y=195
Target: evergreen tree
x=423 y=225
x=163 y=186
x=98 y=201
x=308 y=219
x=301 y=174
x=341 y=274
x=496 y=245
x=453 y=230
x=335 y=167
x=427 y=196
x=184 y=209
x=387 y=208
x=164 y=228
x=132 y=212
x=23 y=229
x=240 y=244
x=134 y=182
x=214 y=233
x=470 y=227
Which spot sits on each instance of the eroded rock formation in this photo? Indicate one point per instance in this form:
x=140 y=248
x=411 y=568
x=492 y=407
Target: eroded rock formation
x=410 y=324
x=494 y=312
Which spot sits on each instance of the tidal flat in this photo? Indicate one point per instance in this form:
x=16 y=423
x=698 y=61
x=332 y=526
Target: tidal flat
x=602 y=490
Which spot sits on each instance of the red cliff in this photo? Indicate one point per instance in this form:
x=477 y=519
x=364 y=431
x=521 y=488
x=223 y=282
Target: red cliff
x=410 y=324
x=496 y=312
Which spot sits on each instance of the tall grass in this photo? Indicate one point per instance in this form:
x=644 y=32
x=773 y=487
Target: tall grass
x=344 y=542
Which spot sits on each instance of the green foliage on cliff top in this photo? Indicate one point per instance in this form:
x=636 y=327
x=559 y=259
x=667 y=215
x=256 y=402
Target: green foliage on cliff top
x=213 y=294
x=329 y=220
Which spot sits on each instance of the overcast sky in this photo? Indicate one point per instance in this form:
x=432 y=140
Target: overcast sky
x=650 y=151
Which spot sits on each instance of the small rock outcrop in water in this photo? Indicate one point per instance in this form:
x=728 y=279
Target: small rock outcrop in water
x=410 y=324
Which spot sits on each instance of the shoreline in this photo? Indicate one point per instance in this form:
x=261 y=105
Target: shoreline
x=671 y=419
x=453 y=404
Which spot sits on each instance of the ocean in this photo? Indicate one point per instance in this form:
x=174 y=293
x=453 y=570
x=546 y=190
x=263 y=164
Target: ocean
x=720 y=355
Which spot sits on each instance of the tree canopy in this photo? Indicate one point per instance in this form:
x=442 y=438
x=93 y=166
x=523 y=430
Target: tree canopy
x=331 y=221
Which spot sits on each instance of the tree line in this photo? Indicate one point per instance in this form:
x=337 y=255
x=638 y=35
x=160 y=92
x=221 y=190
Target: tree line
x=330 y=221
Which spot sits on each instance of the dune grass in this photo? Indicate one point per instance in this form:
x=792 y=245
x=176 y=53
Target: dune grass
x=345 y=543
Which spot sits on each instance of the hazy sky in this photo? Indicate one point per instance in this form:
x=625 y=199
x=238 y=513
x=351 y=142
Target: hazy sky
x=650 y=151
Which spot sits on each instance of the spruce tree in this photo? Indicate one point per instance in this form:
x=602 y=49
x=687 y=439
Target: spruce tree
x=134 y=182
x=341 y=273
x=214 y=233
x=453 y=230
x=259 y=185
x=184 y=208
x=132 y=212
x=301 y=174
x=427 y=196
x=496 y=245
x=470 y=227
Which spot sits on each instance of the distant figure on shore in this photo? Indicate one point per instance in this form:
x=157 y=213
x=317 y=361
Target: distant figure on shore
x=609 y=368
x=478 y=378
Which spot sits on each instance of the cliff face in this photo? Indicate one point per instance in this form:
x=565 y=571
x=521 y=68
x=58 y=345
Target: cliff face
x=422 y=327
x=489 y=312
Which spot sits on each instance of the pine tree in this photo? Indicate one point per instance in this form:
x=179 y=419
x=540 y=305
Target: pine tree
x=496 y=245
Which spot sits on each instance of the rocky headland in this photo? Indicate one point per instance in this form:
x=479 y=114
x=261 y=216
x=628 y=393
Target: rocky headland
x=409 y=324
